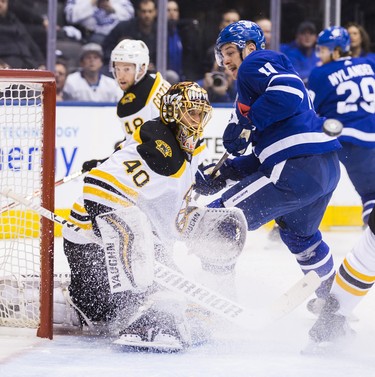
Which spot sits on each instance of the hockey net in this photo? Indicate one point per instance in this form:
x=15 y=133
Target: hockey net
x=27 y=153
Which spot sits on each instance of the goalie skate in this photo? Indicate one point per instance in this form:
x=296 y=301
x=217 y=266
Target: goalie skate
x=159 y=325
x=152 y=331
x=161 y=342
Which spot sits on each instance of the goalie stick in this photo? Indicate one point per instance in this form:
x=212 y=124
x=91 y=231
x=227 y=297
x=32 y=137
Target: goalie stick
x=36 y=193
x=195 y=292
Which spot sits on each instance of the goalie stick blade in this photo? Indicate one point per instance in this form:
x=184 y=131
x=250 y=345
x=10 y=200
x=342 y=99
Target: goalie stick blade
x=296 y=295
x=200 y=294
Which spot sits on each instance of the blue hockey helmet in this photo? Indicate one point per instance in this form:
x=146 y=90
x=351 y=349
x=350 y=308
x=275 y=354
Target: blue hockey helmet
x=334 y=36
x=239 y=33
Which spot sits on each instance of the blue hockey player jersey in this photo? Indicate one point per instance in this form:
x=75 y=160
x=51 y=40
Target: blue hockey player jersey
x=273 y=97
x=345 y=90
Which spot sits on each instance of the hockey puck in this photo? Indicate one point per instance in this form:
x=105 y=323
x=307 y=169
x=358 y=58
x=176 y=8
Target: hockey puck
x=332 y=127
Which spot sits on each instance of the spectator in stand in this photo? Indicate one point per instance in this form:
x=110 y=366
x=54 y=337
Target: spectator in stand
x=266 y=25
x=89 y=84
x=301 y=52
x=142 y=27
x=227 y=18
x=98 y=17
x=175 y=49
x=33 y=14
x=4 y=65
x=69 y=39
x=359 y=41
x=182 y=46
x=183 y=52
x=18 y=49
x=61 y=73
x=220 y=85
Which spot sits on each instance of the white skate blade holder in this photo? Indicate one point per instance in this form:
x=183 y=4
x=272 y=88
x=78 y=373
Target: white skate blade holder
x=160 y=346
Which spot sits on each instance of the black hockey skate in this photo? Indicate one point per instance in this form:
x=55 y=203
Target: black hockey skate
x=329 y=325
x=329 y=328
x=153 y=331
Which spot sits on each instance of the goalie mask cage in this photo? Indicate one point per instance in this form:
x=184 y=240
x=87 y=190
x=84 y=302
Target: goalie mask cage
x=27 y=166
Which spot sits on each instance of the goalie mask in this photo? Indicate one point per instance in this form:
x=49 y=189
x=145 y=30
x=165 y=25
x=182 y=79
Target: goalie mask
x=239 y=33
x=334 y=37
x=134 y=52
x=186 y=105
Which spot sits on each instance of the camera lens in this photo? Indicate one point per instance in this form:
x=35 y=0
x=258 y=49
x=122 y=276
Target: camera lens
x=218 y=81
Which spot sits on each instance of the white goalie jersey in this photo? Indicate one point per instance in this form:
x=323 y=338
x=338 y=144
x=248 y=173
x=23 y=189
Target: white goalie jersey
x=152 y=173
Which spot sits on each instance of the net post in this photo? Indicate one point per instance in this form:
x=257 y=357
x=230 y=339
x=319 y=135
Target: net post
x=45 y=329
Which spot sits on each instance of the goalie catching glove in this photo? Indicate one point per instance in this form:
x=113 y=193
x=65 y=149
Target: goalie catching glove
x=216 y=235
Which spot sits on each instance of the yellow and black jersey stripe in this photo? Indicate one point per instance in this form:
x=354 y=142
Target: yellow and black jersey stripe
x=80 y=217
x=104 y=186
x=353 y=281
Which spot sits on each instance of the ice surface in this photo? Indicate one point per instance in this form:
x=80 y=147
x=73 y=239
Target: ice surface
x=265 y=271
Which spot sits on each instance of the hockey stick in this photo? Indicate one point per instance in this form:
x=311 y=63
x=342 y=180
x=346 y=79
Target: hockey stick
x=36 y=193
x=244 y=134
x=69 y=178
x=218 y=165
x=177 y=282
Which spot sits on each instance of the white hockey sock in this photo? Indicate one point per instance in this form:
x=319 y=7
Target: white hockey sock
x=356 y=274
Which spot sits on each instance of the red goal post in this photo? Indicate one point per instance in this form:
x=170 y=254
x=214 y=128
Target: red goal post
x=27 y=165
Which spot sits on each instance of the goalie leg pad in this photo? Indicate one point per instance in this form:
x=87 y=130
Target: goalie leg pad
x=129 y=249
x=217 y=236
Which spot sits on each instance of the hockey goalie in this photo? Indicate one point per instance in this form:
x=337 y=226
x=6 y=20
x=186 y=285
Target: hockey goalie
x=138 y=203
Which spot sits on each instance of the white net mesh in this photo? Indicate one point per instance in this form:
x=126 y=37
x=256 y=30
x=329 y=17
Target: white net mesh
x=21 y=130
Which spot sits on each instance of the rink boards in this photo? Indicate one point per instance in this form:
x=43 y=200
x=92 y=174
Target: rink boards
x=87 y=131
